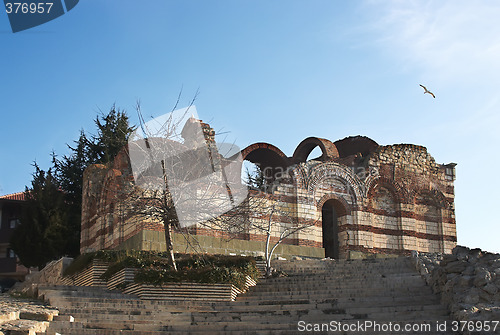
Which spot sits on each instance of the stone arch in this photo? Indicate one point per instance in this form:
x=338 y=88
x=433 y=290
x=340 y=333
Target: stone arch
x=334 y=176
x=299 y=175
x=271 y=160
x=264 y=152
x=379 y=183
x=401 y=194
x=343 y=206
x=305 y=147
x=383 y=200
x=437 y=197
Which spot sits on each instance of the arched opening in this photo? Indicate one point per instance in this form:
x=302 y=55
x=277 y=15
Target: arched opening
x=315 y=154
x=330 y=228
x=265 y=161
x=328 y=149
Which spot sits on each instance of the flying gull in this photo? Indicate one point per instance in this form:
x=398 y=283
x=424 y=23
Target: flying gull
x=427 y=91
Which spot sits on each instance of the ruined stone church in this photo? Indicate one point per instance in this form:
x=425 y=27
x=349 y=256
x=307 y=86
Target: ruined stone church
x=360 y=198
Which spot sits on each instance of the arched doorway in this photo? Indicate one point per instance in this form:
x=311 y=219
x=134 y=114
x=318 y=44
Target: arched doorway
x=330 y=229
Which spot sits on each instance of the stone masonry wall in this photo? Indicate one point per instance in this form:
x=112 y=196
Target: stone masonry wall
x=51 y=274
x=388 y=199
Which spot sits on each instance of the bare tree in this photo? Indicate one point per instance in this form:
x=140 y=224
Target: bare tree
x=277 y=222
x=182 y=177
x=264 y=212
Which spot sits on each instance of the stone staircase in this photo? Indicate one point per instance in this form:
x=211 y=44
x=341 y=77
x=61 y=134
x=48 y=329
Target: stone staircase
x=317 y=293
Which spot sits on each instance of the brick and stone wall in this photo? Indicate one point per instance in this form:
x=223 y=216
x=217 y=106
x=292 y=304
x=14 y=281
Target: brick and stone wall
x=390 y=199
x=51 y=274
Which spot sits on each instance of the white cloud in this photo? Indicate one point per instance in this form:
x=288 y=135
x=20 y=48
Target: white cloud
x=453 y=46
x=450 y=40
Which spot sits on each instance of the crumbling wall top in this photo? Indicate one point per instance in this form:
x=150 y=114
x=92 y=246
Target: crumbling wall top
x=353 y=145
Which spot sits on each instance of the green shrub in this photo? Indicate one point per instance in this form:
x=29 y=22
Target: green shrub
x=205 y=274
x=154 y=268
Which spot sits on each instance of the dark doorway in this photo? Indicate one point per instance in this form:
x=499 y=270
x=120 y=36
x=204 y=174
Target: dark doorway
x=330 y=229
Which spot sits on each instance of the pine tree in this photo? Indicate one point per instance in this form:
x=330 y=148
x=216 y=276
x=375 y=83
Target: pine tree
x=113 y=130
x=255 y=178
x=52 y=215
x=42 y=234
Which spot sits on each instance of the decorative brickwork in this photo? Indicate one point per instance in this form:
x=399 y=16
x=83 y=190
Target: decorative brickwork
x=369 y=198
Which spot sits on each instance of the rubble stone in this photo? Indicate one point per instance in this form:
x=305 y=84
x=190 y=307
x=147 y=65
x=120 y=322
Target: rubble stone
x=24 y=316
x=467 y=280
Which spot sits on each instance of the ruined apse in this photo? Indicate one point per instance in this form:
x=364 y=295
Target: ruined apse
x=357 y=199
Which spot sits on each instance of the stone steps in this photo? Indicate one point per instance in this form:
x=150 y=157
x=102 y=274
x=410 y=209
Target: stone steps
x=80 y=308
x=211 y=327
x=338 y=269
x=341 y=272
x=277 y=330
x=329 y=310
x=99 y=314
x=173 y=305
x=315 y=292
x=317 y=287
x=144 y=305
x=329 y=264
x=342 y=281
x=333 y=303
x=260 y=325
x=298 y=285
x=339 y=293
x=293 y=330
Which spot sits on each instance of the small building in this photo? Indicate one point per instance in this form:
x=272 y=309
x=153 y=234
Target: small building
x=10 y=216
x=360 y=198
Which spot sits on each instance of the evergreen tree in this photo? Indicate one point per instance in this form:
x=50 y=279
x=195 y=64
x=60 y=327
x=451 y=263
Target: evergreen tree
x=52 y=216
x=41 y=236
x=113 y=130
x=69 y=172
x=112 y=135
x=255 y=178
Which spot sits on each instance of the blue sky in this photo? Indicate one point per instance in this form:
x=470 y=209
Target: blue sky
x=271 y=71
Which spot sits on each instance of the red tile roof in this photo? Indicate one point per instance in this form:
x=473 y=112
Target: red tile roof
x=14 y=196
